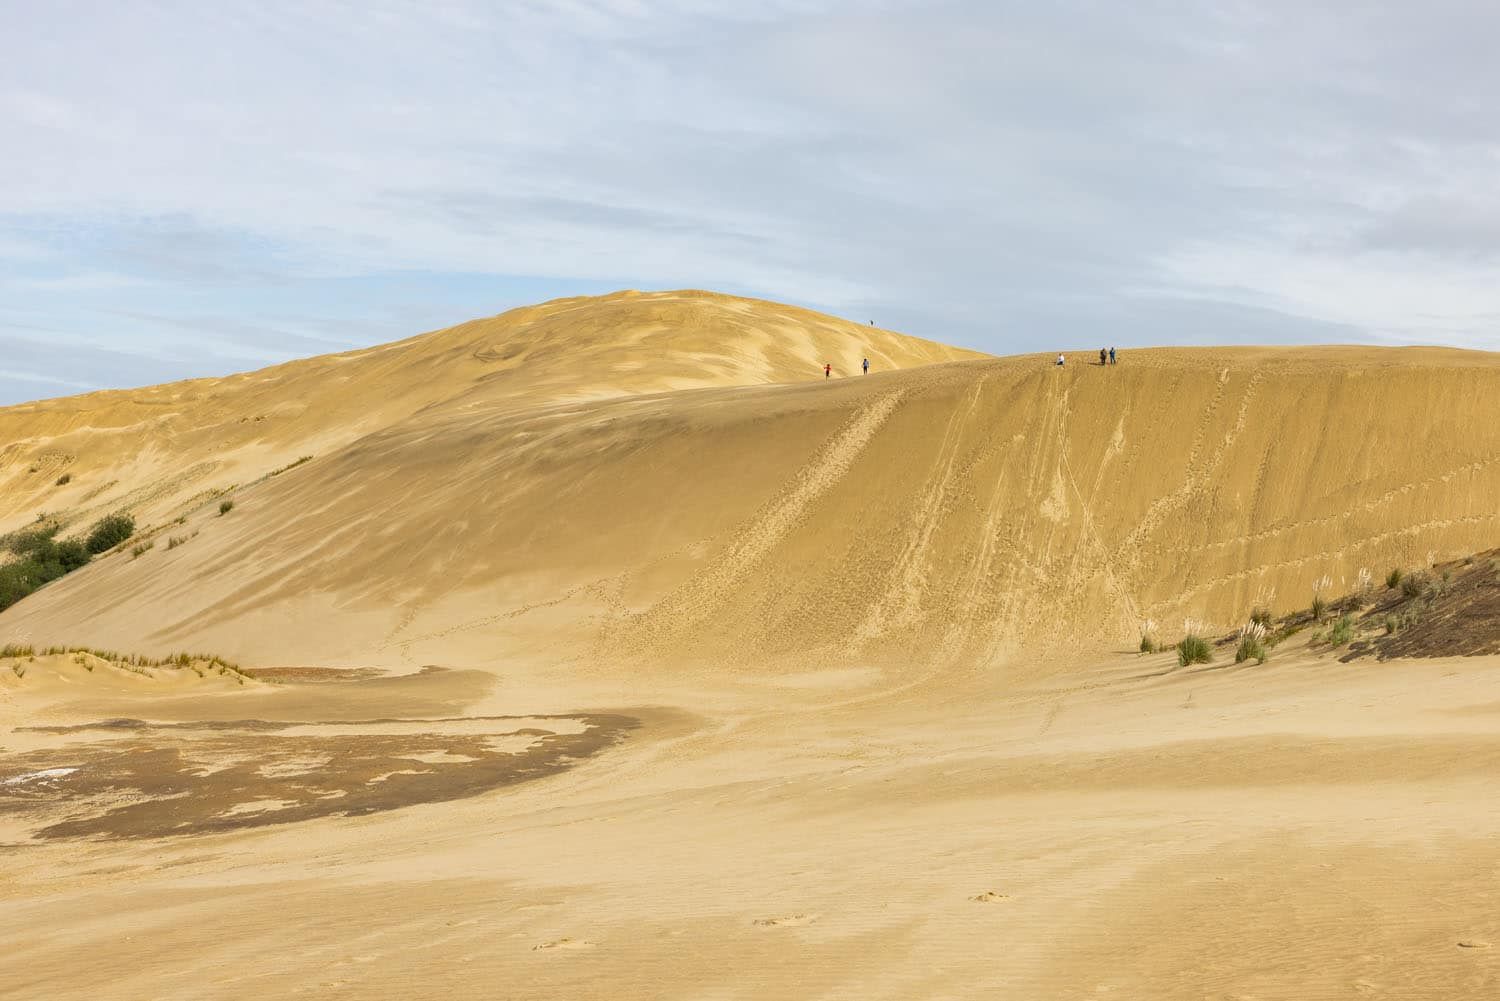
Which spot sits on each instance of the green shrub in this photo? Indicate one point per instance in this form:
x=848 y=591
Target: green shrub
x=71 y=554
x=1148 y=644
x=1194 y=650
x=225 y=506
x=1414 y=585
x=110 y=532
x=1393 y=579
x=1319 y=607
x=1391 y=624
x=1342 y=631
x=41 y=560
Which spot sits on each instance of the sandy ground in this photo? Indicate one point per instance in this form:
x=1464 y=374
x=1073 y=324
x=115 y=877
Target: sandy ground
x=1305 y=829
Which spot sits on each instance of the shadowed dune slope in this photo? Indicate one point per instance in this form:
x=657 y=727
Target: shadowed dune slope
x=955 y=514
x=156 y=451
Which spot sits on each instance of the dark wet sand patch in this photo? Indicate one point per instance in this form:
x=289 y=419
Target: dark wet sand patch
x=147 y=780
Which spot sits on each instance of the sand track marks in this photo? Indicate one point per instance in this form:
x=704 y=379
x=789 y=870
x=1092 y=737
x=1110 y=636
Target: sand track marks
x=699 y=598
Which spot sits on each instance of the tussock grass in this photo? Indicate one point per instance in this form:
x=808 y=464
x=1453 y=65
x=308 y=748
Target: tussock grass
x=1393 y=579
x=225 y=506
x=1342 y=631
x=1193 y=649
x=1252 y=644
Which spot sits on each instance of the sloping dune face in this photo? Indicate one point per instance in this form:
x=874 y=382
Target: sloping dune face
x=954 y=514
x=156 y=451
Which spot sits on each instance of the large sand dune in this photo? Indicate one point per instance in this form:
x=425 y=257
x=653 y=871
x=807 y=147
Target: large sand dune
x=757 y=685
x=948 y=514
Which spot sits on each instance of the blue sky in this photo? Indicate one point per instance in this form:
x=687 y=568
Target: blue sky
x=192 y=189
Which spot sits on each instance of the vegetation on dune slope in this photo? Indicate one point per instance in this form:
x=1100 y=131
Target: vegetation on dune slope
x=38 y=557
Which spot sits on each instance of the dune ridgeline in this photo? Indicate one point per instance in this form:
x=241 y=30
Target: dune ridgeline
x=668 y=479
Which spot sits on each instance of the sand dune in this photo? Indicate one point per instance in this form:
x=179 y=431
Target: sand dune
x=155 y=449
x=668 y=669
x=952 y=514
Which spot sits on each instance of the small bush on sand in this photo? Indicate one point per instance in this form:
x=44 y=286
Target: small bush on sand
x=1193 y=649
x=1252 y=644
x=1414 y=585
x=225 y=506
x=1319 y=607
x=1148 y=637
x=65 y=479
x=139 y=549
x=176 y=540
x=110 y=532
x=1393 y=579
x=1342 y=631
x=1261 y=617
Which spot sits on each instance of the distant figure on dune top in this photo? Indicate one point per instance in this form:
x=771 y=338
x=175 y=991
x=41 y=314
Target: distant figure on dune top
x=1102 y=356
x=828 y=370
x=1059 y=361
x=1111 y=356
x=867 y=366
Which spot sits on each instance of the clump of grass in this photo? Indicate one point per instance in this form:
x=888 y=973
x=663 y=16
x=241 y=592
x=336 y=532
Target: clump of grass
x=109 y=532
x=225 y=506
x=1148 y=637
x=1342 y=631
x=1393 y=579
x=173 y=541
x=1261 y=617
x=1319 y=607
x=1194 y=649
x=1252 y=643
x=18 y=670
x=140 y=548
x=16 y=650
x=1414 y=585
x=1391 y=625
x=64 y=479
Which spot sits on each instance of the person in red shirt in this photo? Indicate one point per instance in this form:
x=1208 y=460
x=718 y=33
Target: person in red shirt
x=828 y=370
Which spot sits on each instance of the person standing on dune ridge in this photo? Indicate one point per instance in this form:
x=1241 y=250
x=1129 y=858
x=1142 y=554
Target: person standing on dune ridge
x=828 y=370
x=1111 y=356
x=1059 y=361
x=1102 y=355
x=867 y=366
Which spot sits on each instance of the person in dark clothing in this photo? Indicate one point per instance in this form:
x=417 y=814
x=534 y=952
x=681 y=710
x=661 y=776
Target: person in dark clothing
x=1111 y=356
x=867 y=366
x=1102 y=355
